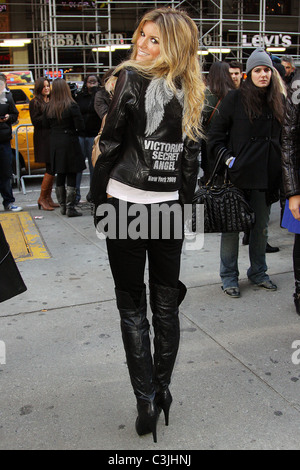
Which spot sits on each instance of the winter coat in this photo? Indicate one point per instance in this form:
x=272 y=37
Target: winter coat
x=65 y=150
x=11 y=282
x=102 y=102
x=291 y=147
x=7 y=106
x=142 y=144
x=256 y=145
x=208 y=115
x=41 y=136
x=91 y=119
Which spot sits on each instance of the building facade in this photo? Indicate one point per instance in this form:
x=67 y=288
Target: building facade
x=73 y=38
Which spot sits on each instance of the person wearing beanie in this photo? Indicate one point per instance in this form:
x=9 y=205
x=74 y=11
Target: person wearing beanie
x=258 y=57
x=246 y=134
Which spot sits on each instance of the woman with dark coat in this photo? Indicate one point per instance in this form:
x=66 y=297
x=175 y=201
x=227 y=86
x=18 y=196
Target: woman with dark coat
x=41 y=140
x=64 y=118
x=246 y=135
x=291 y=178
x=219 y=83
x=85 y=99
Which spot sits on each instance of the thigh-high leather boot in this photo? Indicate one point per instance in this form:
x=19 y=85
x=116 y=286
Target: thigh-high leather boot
x=164 y=303
x=135 y=334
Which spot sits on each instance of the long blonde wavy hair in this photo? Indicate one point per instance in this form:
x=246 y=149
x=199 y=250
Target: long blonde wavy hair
x=178 y=61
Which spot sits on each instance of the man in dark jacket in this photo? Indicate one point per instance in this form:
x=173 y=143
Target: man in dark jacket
x=288 y=62
x=8 y=116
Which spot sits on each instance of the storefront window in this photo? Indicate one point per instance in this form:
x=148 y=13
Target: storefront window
x=273 y=7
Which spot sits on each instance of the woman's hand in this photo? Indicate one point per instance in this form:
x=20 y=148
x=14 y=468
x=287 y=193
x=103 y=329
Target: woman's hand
x=5 y=118
x=294 y=206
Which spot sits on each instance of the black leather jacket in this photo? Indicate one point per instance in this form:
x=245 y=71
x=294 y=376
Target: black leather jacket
x=142 y=143
x=291 y=145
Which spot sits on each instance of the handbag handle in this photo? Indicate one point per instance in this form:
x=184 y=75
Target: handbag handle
x=218 y=161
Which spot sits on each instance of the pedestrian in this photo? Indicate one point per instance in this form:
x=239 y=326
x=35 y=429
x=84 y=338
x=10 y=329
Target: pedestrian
x=291 y=180
x=86 y=100
x=8 y=116
x=65 y=121
x=236 y=72
x=41 y=141
x=245 y=241
x=147 y=162
x=104 y=94
x=102 y=101
x=290 y=69
x=246 y=133
x=218 y=84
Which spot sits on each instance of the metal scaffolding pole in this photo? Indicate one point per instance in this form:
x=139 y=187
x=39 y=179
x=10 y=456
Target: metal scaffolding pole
x=240 y=30
x=262 y=21
x=53 y=30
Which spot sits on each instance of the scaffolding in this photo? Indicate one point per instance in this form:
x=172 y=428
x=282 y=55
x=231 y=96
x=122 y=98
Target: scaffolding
x=86 y=33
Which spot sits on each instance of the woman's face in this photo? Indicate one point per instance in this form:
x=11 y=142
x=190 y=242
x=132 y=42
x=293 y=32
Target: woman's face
x=148 y=47
x=261 y=76
x=46 y=89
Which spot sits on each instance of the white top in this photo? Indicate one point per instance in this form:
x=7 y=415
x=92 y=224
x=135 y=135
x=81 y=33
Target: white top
x=138 y=196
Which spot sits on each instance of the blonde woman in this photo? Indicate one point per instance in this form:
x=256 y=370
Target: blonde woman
x=148 y=165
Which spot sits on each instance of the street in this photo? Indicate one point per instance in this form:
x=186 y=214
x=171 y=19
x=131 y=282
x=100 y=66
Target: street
x=64 y=380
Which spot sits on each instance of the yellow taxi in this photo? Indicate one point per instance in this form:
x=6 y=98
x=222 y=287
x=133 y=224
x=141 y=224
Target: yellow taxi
x=21 y=85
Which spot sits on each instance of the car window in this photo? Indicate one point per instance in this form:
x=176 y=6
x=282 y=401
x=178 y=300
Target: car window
x=19 y=96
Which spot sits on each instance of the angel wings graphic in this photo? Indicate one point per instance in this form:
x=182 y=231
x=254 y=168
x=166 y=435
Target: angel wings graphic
x=158 y=95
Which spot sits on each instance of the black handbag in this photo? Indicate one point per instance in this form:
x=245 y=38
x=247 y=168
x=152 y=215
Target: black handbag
x=11 y=282
x=225 y=207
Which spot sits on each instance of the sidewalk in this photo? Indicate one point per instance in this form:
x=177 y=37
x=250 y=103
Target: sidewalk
x=65 y=384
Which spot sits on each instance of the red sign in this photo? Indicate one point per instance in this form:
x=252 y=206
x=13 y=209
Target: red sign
x=54 y=73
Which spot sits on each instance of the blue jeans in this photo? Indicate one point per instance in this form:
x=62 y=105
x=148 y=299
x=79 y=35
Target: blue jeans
x=257 y=272
x=6 y=174
x=86 y=144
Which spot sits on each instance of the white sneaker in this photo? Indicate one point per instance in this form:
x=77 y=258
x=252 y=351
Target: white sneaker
x=13 y=208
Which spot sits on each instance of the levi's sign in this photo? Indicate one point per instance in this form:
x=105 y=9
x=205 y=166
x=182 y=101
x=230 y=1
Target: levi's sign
x=272 y=40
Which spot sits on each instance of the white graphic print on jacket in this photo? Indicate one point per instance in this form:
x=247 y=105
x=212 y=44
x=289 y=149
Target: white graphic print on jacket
x=158 y=95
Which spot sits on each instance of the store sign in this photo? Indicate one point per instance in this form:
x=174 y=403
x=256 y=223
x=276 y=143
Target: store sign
x=92 y=4
x=89 y=39
x=273 y=40
x=51 y=74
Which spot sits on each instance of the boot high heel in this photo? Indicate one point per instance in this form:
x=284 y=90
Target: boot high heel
x=147 y=418
x=163 y=401
x=297 y=297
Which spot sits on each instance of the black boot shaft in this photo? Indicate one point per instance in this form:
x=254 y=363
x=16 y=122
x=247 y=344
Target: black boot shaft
x=136 y=340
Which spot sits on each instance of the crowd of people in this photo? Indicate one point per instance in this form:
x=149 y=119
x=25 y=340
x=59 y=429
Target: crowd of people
x=160 y=114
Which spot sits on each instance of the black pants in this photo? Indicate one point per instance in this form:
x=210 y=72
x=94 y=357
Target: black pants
x=49 y=169
x=296 y=257
x=128 y=256
x=61 y=179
